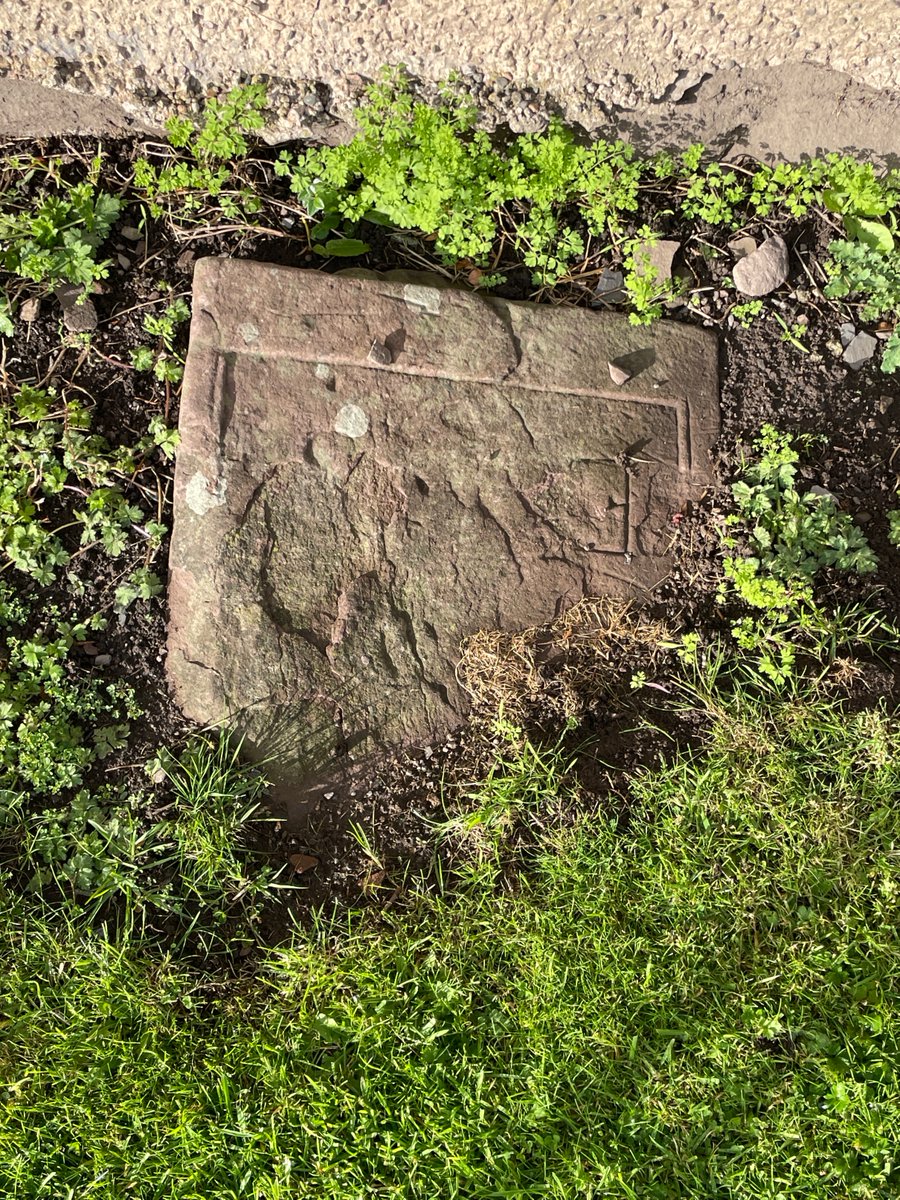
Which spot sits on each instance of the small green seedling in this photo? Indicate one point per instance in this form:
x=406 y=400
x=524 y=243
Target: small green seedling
x=790 y=535
x=792 y=334
x=54 y=238
x=747 y=313
x=163 y=360
x=142 y=584
x=199 y=170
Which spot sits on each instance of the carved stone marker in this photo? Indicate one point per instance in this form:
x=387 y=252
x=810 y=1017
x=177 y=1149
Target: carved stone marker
x=372 y=469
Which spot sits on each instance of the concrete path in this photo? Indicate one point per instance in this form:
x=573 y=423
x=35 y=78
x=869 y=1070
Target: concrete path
x=775 y=76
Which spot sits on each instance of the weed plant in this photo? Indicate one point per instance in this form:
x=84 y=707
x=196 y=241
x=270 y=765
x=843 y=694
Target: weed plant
x=792 y=535
x=55 y=238
x=55 y=475
x=551 y=201
x=558 y=199
x=197 y=165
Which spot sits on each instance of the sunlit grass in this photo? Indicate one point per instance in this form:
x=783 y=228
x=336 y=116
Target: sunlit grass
x=698 y=1002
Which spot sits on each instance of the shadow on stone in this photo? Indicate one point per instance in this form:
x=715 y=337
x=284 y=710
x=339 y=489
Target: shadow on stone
x=635 y=361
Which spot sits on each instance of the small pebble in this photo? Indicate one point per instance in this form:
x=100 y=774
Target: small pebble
x=657 y=257
x=132 y=234
x=380 y=354
x=609 y=289
x=742 y=246
x=763 y=271
x=102 y=660
x=859 y=351
x=618 y=375
x=79 y=314
x=303 y=863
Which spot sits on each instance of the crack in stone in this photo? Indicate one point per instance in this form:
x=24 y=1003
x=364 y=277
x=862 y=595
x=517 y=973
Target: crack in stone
x=267 y=593
x=539 y=517
x=515 y=408
x=229 y=398
x=194 y=662
x=256 y=493
x=504 y=533
x=403 y=617
x=281 y=620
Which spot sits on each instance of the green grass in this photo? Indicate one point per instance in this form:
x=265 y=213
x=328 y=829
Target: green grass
x=696 y=1001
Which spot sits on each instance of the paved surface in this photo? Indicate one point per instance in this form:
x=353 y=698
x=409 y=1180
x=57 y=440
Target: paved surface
x=372 y=469
x=725 y=72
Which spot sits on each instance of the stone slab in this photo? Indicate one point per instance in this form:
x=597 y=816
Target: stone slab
x=345 y=519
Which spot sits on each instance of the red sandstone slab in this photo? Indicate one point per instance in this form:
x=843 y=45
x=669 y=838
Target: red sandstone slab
x=372 y=469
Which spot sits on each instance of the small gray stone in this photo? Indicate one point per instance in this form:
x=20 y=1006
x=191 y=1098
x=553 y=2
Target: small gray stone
x=102 y=660
x=859 y=351
x=130 y=233
x=847 y=333
x=30 y=309
x=609 y=289
x=79 y=314
x=656 y=256
x=617 y=374
x=742 y=246
x=123 y=261
x=764 y=270
x=818 y=490
x=380 y=354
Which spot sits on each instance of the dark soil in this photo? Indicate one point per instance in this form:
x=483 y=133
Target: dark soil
x=853 y=419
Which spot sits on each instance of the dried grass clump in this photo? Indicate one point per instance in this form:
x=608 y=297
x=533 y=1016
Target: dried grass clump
x=590 y=651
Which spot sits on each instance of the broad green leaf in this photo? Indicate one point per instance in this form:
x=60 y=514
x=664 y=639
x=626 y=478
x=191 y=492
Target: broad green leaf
x=343 y=248
x=321 y=230
x=7 y=328
x=374 y=217
x=871 y=233
x=834 y=201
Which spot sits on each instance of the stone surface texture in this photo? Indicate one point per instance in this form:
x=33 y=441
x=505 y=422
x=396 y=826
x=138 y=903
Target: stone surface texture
x=343 y=523
x=770 y=75
x=859 y=350
x=764 y=269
